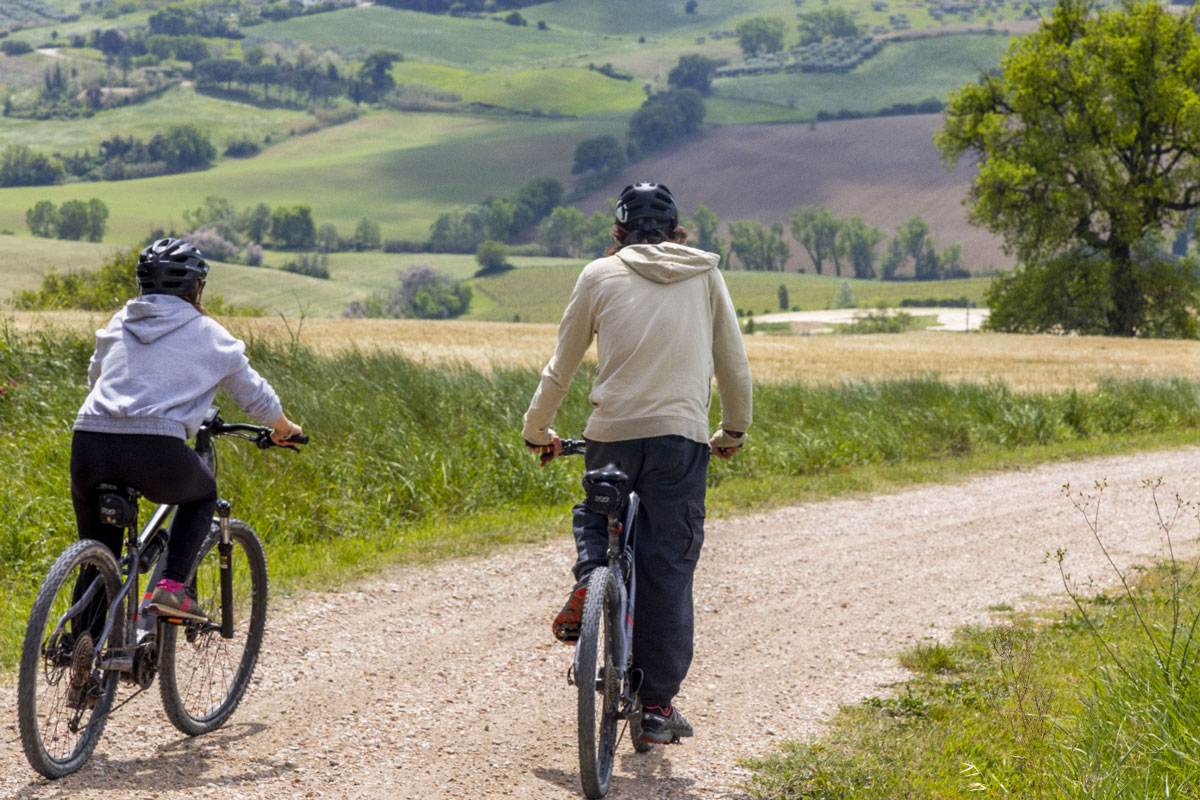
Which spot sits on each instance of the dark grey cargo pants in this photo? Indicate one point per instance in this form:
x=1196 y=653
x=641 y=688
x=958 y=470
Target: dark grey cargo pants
x=668 y=473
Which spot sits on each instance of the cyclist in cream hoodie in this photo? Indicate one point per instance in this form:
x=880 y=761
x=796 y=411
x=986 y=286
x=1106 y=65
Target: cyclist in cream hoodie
x=664 y=327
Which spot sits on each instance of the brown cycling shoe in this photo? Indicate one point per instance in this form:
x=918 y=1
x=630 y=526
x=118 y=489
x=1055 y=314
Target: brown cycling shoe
x=567 y=623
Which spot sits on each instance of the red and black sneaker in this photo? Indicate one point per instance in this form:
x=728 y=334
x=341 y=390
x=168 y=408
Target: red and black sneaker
x=663 y=725
x=567 y=623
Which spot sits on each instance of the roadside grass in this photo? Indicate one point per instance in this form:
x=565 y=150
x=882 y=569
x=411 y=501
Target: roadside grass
x=902 y=72
x=411 y=462
x=400 y=169
x=1099 y=701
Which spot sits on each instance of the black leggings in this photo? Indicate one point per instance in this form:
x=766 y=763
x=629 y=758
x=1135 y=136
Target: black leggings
x=164 y=469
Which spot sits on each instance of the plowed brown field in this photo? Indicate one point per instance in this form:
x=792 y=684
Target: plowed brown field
x=884 y=170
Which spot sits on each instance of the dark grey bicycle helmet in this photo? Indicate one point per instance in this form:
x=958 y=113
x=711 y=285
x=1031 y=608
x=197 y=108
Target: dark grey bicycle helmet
x=170 y=266
x=647 y=206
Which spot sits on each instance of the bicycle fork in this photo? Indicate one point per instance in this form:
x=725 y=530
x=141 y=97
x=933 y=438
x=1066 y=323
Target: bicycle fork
x=225 y=552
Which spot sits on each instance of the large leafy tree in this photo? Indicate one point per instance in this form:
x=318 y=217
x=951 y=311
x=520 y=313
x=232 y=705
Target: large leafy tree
x=1088 y=140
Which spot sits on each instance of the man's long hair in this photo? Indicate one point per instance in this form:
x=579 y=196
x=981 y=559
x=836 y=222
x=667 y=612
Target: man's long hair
x=623 y=237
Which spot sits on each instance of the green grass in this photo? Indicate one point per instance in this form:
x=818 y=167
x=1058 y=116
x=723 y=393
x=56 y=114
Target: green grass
x=1102 y=702
x=903 y=72
x=573 y=91
x=411 y=462
x=540 y=294
x=438 y=39
x=400 y=169
x=221 y=119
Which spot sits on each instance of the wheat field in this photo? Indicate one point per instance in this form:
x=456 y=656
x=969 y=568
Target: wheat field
x=1026 y=363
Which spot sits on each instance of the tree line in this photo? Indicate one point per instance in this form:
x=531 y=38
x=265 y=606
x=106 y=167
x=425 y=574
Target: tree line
x=181 y=148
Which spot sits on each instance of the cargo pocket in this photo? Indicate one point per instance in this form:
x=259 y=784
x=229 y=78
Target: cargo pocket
x=695 y=523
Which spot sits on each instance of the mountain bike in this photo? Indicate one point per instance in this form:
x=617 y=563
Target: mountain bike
x=87 y=630
x=602 y=671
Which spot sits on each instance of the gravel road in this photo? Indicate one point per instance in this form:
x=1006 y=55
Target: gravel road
x=444 y=681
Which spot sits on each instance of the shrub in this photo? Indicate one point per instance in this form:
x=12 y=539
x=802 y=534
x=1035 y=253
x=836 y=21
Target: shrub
x=423 y=293
x=492 y=257
x=212 y=244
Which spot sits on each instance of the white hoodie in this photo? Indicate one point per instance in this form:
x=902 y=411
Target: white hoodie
x=665 y=326
x=157 y=366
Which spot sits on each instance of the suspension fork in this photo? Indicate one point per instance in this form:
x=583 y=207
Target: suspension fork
x=225 y=551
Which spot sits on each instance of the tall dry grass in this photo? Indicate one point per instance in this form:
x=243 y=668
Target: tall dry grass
x=1024 y=363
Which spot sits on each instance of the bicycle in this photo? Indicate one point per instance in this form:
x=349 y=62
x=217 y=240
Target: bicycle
x=87 y=631
x=602 y=670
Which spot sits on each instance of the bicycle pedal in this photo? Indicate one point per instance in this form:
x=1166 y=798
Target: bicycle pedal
x=675 y=740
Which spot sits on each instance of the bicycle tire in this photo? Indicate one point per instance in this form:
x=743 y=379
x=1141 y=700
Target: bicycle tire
x=57 y=739
x=598 y=679
x=203 y=676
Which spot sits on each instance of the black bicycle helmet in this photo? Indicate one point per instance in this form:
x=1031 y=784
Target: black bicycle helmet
x=647 y=206
x=170 y=266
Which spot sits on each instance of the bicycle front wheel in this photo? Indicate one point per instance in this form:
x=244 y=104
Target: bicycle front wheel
x=598 y=679
x=63 y=699
x=203 y=675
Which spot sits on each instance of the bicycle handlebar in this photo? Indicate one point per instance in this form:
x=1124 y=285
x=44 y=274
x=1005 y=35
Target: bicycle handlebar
x=573 y=447
x=262 y=434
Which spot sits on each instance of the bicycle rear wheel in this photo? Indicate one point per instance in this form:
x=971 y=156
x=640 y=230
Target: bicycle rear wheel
x=204 y=675
x=598 y=679
x=63 y=700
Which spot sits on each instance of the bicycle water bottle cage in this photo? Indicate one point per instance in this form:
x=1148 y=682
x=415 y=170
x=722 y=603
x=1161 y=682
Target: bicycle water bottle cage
x=606 y=489
x=118 y=505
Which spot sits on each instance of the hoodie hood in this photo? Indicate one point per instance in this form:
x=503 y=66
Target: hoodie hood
x=667 y=262
x=152 y=316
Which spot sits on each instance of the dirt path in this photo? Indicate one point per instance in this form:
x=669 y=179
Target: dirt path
x=443 y=682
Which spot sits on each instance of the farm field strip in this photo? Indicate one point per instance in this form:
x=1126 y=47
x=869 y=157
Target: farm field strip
x=1025 y=363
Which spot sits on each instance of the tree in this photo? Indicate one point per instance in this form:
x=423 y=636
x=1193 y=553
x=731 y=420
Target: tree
x=1072 y=293
x=693 y=72
x=602 y=155
x=183 y=147
x=97 y=219
x=760 y=35
x=562 y=232
x=783 y=297
x=293 y=227
x=858 y=241
x=893 y=260
x=535 y=200
x=758 y=247
x=255 y=222
x=376 y=73
x=73 y=220
x=492 y=256
x=706 y=223
x=218 y=213
x=663 y=118
x=832 y=23
x=366 y=235
x=690 y=7
x=816 y=229
x=21 y=166
x=1088 y=139
x=515 y=18
x=42 y=219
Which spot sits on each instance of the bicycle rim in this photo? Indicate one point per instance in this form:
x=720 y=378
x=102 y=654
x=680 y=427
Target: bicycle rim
x=61 y=705
x=598 y=680
x=204 y=675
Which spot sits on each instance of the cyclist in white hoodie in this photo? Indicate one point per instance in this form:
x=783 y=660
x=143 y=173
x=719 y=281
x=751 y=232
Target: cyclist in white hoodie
x=156 y=368
x=664 y=327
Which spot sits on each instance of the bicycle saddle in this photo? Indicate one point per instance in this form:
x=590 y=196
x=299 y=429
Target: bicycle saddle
x=607 y=489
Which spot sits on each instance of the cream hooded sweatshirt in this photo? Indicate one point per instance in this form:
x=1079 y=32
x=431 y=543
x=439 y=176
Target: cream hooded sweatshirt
x=665 y=326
